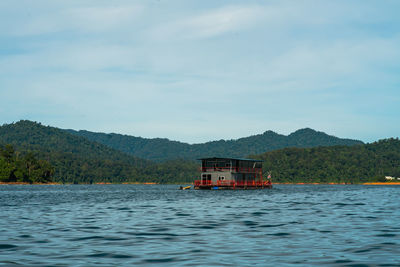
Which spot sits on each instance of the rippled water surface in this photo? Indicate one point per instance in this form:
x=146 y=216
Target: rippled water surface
x=125 y=225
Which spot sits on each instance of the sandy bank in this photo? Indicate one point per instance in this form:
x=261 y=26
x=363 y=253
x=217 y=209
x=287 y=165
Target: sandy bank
x=383 y=183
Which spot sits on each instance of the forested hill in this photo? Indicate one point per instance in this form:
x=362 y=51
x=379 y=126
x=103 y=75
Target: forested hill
x=158 y=149
x=27 y=148
x=337 y=164
x=27 y=135
x=78 y=160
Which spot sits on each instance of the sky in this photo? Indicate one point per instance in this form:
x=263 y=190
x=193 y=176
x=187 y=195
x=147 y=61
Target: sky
x=196 y=71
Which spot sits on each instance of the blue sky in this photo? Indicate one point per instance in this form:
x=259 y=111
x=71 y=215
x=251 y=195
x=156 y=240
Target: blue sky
x=196 y=71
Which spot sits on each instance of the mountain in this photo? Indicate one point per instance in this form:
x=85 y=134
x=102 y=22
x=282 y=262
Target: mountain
x=28 y=135
x=338 y=164
x=79 y=160
x=26 y=148
x=158 y=149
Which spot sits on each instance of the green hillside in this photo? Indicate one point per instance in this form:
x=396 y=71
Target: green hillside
x=338 y=164
x=32 y=152
x=28 y=135
x=163 y=149
x=78 y=160
x=15 y=167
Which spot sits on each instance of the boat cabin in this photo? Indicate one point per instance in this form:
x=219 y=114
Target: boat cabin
x=230 y=173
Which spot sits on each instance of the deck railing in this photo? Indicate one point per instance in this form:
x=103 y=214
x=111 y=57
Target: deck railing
x=231 y=169
x=230 y=183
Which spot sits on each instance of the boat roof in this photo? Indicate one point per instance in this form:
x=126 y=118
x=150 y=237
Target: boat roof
x=242 y=159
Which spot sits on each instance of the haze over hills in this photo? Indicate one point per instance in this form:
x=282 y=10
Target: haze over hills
x=159 y=149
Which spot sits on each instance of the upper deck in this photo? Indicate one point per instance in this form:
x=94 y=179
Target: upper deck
x=232 y=165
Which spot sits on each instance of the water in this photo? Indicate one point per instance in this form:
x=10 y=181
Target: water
x=126 y=225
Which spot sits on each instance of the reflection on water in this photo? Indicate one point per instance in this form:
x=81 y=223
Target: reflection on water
x=125 y=225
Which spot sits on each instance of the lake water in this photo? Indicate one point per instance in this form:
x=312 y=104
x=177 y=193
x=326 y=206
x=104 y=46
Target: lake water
x=126 y=225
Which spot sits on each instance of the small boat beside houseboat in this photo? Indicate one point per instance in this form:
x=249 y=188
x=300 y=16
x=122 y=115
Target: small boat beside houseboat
x=231 y=173
x=185 y=187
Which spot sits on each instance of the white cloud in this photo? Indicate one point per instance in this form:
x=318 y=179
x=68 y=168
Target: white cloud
x=209 y=24
x=180 y=69
x=81 y=56
x=103 y=18
x=308 y=66
x=76 y=19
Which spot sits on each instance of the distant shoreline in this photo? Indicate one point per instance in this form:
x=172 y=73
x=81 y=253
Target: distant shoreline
x=383 y=183
x=370 y=183
x=101 y=183
x=24 y=183
x=153 y=183
x=314 y=183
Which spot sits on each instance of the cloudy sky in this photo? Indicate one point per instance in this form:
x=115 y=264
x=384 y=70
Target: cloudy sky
x=196 y=71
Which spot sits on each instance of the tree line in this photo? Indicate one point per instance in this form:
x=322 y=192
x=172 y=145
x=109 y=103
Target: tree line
x=27 y=167
x=336 y=164
x=38 y=154
x=24 y=168
x=75 y=159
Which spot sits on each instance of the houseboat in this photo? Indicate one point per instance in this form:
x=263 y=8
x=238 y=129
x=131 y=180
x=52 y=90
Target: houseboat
x=231 y=173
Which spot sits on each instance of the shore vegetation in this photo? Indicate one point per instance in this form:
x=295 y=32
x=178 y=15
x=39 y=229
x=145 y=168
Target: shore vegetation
x=23 y=168
x=33 y=153
x=335 y=164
